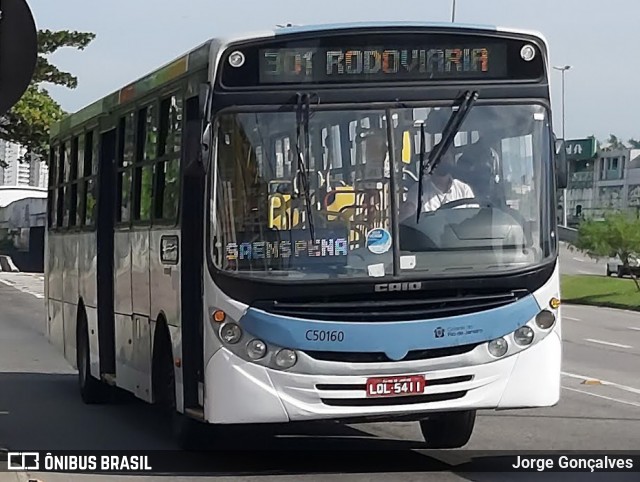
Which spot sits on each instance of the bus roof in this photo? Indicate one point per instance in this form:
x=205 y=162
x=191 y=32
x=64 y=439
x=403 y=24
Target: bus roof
x=200 y=56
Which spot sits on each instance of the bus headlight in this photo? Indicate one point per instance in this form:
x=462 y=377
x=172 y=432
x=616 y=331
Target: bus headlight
x=230 y=333
x=256 y=349
x=498 y=348
x=545 y=319
x=528 y=53
x=286 y=358
x=523 y=336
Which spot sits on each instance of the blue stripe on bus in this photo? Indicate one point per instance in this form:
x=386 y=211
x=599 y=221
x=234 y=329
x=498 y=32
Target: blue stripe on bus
x=395 y=339
x=354 y=25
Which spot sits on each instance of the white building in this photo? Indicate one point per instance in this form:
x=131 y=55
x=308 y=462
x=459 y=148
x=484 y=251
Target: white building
x=611 y=181
x=15 y=173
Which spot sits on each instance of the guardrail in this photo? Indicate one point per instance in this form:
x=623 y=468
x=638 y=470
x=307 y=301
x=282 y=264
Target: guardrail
x=567 y=234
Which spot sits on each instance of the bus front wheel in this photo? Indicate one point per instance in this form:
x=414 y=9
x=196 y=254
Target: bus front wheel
x=448 y=430
x=185 y=430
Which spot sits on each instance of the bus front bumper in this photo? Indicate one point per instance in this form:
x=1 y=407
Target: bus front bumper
x=240 y=392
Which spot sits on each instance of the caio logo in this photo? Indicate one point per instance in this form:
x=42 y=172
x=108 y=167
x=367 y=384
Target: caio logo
x=439 y=332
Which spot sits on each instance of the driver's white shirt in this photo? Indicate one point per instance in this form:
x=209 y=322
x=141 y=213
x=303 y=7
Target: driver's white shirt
x=433 y=198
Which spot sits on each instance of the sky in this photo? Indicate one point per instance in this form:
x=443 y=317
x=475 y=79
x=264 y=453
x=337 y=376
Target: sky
x=597 y=38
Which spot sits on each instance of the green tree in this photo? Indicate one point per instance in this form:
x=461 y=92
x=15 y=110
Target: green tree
x=29 y=121
x=618 y=235
x=615 y=143
x=635 y=144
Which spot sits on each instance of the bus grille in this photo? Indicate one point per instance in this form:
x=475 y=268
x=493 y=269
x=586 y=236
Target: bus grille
x=378 y=357
x=412 y=306
x=387 y=401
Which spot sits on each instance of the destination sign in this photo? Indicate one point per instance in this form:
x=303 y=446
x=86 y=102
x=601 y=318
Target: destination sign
x=296 y=65
x=339 y=58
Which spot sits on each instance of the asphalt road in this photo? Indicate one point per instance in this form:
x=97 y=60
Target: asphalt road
x=574 y=262
x=40 y=409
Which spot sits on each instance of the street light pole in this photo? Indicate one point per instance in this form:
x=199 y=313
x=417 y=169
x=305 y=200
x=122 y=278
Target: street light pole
x=453 y=12
x=564 y=191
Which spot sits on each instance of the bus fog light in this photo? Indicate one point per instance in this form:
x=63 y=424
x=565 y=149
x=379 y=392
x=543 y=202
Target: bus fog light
x=286 y=358
x=256 y=349
x=230 y=333
x=545 y=319
x=523 y=336
x=498 y=347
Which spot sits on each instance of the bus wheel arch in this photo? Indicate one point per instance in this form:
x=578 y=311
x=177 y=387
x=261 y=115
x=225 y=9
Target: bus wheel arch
x=92 y=390
x=185 y=430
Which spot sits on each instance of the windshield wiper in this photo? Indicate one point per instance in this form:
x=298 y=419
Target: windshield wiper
x=465 y=103
x=302 y=124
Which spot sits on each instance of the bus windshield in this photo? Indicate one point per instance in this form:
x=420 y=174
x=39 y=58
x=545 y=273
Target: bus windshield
x=482 y=209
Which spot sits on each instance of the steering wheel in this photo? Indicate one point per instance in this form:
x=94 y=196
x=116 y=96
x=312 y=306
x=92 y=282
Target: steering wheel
x=470 y=200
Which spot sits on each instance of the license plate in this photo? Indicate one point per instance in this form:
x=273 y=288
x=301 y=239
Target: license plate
x=396 y=386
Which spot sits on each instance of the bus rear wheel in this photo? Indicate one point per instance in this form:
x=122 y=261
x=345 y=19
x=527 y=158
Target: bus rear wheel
x=92 y=391
x=448 y=430
x=185 y=430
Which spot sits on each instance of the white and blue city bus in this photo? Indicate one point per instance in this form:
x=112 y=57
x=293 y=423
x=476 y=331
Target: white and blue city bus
x=225 y=234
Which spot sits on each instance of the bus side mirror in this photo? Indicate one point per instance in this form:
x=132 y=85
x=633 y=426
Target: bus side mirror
x=562 y=173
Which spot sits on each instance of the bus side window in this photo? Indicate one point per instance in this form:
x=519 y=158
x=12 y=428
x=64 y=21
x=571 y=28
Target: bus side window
x=125 y=158
x=60 y=183
x=146 y=154
x=52 y=205
x=73 y=180
x=167 y=181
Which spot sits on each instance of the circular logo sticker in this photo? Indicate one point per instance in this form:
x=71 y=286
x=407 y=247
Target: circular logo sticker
x=378 y=241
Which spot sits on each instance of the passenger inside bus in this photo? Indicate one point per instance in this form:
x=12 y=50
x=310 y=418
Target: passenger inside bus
x=439 y=188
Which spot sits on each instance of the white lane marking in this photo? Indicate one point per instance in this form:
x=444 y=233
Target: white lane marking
x=22 y=289
x=579 y=259
x=581 y=271
x=604 y=382
x=634 y=404
x=571 y=318
x=608 y=343
x=634 y=328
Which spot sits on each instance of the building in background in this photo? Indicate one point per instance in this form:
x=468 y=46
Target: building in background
x=23 y=218
x=601 y=180
x=16 y=173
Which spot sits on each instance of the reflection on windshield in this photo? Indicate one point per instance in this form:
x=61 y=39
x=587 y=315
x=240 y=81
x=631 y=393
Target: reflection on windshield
x=481 y=206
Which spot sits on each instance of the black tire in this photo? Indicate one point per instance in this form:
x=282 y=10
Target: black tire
x=448 y=430
x=608 y=271
x=186 y=431
x=92 y=390
x=620 y=272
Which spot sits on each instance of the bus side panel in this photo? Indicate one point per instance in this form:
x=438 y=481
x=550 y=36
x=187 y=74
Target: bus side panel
x=56 y=324
x=70 y=295
x=165 y=296
x=141 y=297
x=54 y=285
x=87 y=269
x=122 y=273
x=88 y=292
x=56 y=243
x=94 y=341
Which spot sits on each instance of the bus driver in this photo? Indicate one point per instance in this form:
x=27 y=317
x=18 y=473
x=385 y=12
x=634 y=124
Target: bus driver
x=437 y=189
